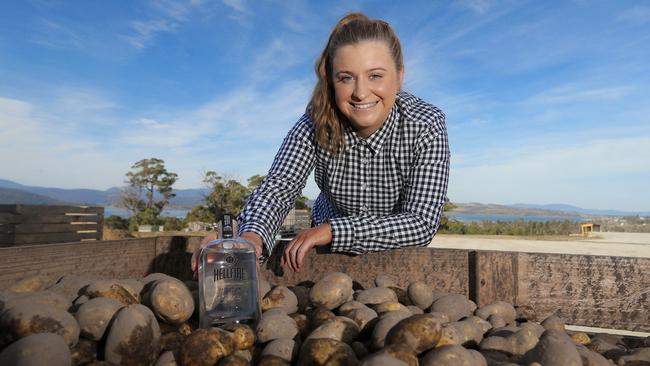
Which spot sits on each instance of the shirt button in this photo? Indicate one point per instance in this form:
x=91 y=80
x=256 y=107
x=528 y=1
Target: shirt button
x=364 y=160
x=364 y=185
x=364 y=208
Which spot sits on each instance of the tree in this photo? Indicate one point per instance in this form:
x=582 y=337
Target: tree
x=151 y=178
x=444 y=220
x=227 y=197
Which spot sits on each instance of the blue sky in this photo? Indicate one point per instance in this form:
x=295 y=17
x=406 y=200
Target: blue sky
x=546 y=101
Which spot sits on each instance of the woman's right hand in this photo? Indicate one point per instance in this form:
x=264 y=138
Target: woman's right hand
x=195 y=256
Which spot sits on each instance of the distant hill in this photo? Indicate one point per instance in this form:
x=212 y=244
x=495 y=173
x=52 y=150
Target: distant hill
x=584 y=211
x=16 y=196
x=109 y=197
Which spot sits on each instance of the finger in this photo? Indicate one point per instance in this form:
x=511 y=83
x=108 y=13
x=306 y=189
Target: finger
x=193 y=262
x=302 y=252
x=294 y=255
x=285 y=255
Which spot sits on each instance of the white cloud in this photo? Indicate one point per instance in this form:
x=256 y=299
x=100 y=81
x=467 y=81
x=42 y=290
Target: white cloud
x=635 y=15
x=602 y=173
x=238 y=6
x=571 y=94
x=477 y=6
x=146 y=30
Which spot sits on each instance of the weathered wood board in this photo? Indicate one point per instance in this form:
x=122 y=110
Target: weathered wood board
x=587 y=290
x=111 y=259
x=39 y=224
x=443 y=269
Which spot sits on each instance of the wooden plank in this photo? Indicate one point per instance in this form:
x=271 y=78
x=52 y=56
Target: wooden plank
x=129 y=258
x=46 y=209
x=442 y=269
x=173 y=255
x=495 y=275
x=46 y=228
x=19 y=239
x=9 y=218
x=596 y=291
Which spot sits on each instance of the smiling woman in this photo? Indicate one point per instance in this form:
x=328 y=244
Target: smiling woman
x=380 y=155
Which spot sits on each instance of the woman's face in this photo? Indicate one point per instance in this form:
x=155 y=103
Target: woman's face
x=366 y=82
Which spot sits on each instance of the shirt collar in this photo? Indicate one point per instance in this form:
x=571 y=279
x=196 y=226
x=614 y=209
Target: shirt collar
x=376 y=140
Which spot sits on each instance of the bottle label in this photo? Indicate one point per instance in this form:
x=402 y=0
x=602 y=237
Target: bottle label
x=233 y=273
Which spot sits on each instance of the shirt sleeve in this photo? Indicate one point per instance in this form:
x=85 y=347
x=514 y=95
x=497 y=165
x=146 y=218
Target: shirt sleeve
x=270 y=203
x=419 y=216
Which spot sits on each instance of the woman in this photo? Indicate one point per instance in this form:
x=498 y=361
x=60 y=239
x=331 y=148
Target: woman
x=380 y=155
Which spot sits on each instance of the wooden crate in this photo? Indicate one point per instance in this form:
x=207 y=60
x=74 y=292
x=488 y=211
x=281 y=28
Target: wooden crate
x=595 y=291
x=38 y=224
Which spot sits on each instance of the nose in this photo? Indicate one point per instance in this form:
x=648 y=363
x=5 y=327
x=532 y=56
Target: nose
x=360 y=91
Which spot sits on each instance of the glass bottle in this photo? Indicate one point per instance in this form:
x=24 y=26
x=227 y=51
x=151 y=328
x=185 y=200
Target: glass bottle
x=228 y=281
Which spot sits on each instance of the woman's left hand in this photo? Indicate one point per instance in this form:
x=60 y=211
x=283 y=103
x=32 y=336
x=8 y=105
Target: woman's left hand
x=305 y=240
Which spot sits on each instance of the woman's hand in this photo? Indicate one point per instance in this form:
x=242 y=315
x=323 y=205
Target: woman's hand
x=305 y=240
x=249 y=236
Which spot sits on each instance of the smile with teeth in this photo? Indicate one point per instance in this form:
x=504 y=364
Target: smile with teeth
x=364 y=105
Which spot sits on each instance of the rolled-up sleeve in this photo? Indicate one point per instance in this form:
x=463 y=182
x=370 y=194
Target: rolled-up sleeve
x=269 y=203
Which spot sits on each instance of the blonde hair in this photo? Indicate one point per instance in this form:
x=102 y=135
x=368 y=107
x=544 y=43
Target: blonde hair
x=351 y=29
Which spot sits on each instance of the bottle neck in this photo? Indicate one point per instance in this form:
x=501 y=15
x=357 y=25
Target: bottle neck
x=226 y=227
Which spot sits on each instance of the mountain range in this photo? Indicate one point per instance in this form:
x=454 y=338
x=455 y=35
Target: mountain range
x=16 y=193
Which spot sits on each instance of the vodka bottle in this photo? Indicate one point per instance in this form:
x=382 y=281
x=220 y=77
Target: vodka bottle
x=228 y=281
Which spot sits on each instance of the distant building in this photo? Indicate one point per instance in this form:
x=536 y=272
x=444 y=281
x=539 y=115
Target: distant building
x=587 y=228
x=297 y=220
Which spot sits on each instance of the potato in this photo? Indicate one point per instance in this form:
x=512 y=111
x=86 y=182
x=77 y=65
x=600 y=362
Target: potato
x=387 y=306
x=334 y=289
x=364 y=317
x=111 y=289
x=170 y=300
x=271 y=360
x=233 y=360
x=471 y=330
x=274 y=326
x=133 y=337
x=639 y=356
x=359 y=349
x=280 y=297
x=24 y=319
x=319 y=316
x=380 y=359
x=402 y=295
x=133 y=286
x=263 y=287
x=517 y=343
x=166 y=359
x=554 y=348
x=456 y=306
x=553 y=322
x=285 y=348
x=383 y=325
x=453 y=355
x=385 y=280
x=302 y=323
x=418 y=332
x=450 y=335
x=375 y=295
x=31 y=284
x=37 y=350
x=43 y=298
x=340 y=328
x=302 y=295
x=421 y=294
x=85 y=351
x=152 y=277
x=326 y=351
x=400 y=352
x=580 y=338
x=171 y=341
x=349 y=306
x=415 y=310
x=501 y=309
x=591 y=358
x=93 y=316
x=205 y=347
x=496 y=321
x=243 y=336
x=71 y=286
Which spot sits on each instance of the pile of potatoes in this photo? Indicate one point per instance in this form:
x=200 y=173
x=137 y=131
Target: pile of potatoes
x=153 y=321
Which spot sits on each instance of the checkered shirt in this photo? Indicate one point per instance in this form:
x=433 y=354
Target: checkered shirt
x=383 y=192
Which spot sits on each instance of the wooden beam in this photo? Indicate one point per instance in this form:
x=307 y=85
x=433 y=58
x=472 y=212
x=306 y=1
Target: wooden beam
x=495 y=277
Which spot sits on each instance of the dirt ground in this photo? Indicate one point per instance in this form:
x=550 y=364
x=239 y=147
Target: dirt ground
x=607 y=243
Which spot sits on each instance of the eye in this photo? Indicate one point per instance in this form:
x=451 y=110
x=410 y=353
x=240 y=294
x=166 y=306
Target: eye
x=375 y=76
x=345 y=78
